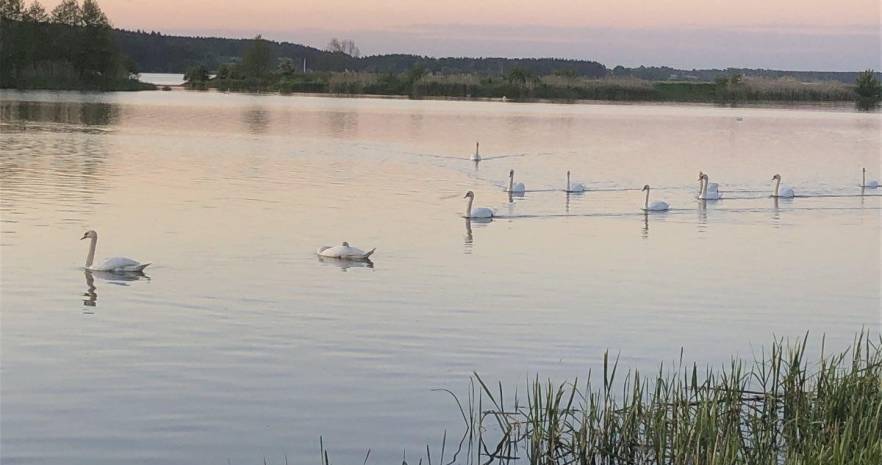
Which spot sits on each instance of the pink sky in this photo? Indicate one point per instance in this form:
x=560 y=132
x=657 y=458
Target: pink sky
x=795 y=34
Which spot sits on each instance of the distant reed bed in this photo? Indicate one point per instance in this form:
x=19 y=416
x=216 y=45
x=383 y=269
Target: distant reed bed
x=524 y=87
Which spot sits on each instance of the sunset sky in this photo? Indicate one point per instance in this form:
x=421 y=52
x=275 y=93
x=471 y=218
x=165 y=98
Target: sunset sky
x=782 y=34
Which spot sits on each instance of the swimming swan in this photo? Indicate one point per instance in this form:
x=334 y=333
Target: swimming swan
x=515 y=187
x=574 y=187
x=871 y=184
x=112 y=264
x=476 y=156
x=706 y=194
x=711 y=187
x=781 y=191
x=479 y=212
x=344 y=251
x=657 y=206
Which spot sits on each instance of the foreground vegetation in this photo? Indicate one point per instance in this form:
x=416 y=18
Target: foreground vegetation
x=70 y=48
x=780 y=409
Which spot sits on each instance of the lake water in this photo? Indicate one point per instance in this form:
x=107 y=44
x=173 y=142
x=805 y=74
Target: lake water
x=243 y=345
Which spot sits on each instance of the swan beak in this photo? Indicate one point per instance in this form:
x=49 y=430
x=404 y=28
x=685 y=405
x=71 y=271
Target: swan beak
x=84 y=236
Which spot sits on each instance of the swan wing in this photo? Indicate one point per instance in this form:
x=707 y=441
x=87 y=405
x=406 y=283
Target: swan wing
x=482 y=213
x=120 y=264
x=658 y=206
x=342 y=251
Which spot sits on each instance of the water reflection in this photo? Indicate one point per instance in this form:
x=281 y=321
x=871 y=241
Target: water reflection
x=645 y=232
x=119 y=279
x=469 y=239
x=345 y=265
x=73 y=113
x=256 y=119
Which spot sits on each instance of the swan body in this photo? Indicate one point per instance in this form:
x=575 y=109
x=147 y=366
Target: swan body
x=515 y=187
x=574 y=186
x=871 y=184
x=657 y=206
x=344 y=251
x=706 y=193
x=781 y=191
x=477 y=155
x=112 y=264
x=479 y=212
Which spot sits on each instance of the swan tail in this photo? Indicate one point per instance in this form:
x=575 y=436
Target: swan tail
x=369 y=253
x=141 y=267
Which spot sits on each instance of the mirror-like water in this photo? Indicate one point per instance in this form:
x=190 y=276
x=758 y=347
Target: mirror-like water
x=240 y=344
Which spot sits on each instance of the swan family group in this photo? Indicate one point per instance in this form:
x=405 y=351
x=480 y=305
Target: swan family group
x=344 y=251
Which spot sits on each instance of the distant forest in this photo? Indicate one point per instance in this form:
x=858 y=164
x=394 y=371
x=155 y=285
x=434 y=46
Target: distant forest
x=158 y=53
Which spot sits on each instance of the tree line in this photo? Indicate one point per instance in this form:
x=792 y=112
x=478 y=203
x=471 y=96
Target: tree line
x=71 y=47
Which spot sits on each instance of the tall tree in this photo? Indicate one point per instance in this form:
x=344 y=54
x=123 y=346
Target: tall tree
x=257 y=60
x=92 y=16
x=12 y=9
x=67 y=12
x=36 y=13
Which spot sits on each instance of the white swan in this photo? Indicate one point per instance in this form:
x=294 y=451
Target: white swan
x=711 y=187
x=476 y=156
x=705 y=194
x=344 y=251
x=871 y=184
x=479 y=212
x=112 y=264
x=574 y=187
x=657 y=206
x=515 y=187
x=781 y=191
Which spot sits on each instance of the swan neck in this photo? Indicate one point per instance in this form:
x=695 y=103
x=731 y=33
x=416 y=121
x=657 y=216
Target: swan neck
x=468 y=212
x=646 y=201
x=510 y=182
x=863 y=177
x=703 y=192
x=777 y=185
x=93 y=242
x=568 y=182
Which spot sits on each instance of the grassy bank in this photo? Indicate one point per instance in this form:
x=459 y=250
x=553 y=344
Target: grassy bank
x=779 y=409
x=553 y=87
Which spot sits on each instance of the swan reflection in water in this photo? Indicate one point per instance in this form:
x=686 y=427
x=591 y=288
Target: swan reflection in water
x=345 y=264
x=119 y=279
x=645 y=232
x=469 y=239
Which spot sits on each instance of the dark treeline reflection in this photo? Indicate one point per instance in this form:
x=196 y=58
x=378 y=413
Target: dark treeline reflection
x=75 y=113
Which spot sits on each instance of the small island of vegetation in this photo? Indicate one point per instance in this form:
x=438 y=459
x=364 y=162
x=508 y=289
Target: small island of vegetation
x=71 y=48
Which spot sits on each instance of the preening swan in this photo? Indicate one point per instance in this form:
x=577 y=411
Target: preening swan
x=344 y=251
x=711 y=187
x=657 y=206
x=515 y=187
x=112 y=264
x=479 y=212
x=476 y=156
x=871 y=184
x=574 y=187
x=706 y=194
x=781 y=191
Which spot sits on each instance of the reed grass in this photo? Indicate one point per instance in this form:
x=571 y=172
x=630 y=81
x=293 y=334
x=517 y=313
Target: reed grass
x=778 y=409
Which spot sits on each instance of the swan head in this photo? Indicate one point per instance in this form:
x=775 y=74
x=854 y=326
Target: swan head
x=469 y=194
x=700 y=175
x=345 y=244
x=511 y=173
x=568 y=172
x=645 y=188
x=89 y=235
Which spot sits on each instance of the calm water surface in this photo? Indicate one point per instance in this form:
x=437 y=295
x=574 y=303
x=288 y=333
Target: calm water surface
x=241 y=344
